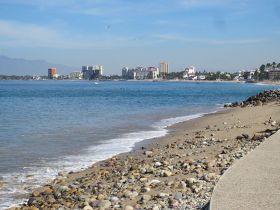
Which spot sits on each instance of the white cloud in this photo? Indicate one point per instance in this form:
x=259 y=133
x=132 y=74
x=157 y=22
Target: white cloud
x=200 y=3
x=22 y=34
x=18 y=34
x=179 y=38
x=85 y=7
x=237 y=4
x=169 y=23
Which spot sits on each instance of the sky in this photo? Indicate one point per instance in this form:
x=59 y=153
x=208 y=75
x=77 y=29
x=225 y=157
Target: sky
x=212 y=35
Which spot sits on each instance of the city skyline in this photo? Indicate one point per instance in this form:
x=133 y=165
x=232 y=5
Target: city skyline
x=211 y=35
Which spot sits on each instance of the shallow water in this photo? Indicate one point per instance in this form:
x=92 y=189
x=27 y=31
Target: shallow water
x=50 y=126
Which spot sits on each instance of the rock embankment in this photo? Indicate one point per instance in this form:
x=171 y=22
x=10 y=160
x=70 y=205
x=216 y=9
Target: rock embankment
x=259 y=99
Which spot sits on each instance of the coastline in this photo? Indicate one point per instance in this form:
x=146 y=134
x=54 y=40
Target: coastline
x=177 y=170
x=160 y=129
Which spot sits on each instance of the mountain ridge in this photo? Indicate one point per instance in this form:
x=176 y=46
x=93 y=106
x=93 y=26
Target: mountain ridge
x=21 y=66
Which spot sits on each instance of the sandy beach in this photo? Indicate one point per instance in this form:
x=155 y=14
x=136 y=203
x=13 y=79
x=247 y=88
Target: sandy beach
x=178 y=171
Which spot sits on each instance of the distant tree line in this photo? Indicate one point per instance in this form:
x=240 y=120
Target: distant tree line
x=16 y=77
x=262 y=74
x=208 y=75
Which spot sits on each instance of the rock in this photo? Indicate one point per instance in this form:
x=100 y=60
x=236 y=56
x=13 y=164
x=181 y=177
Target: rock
x=129 y=194
x=62 y=189
x=211 y=165
x=128 y=208
x=258 y=136
x=145 y=189
x=148 y=153
x=145 y=198
x=33 y=208
x=47 y=190
x=166 y=173
x=31 y=201
x=62 y=173
x=114 y=199
x=155 y=208
x=210 y=177
x=51 y=199
x=191 y=181
x=239 y=137
x=182 y=185
x=143 y=179
x=143 y=170
x=259 y=99
x=246 y=136
x=87 y=208
x=157 y=164
x=104 y=204
x=162 y=195
x=153 y=182
x=178 y=196
x=174 y=204
x=259 y=103
x=273 y=123
x=101 y=197
x=35 y=193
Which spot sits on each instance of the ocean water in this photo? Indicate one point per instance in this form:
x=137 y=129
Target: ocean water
x=52 y=126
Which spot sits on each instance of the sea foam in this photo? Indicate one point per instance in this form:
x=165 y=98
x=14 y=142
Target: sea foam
x=18 y=184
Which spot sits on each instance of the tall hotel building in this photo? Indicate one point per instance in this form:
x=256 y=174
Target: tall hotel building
x=92 y=72
x=52 y=73
x=163 y=68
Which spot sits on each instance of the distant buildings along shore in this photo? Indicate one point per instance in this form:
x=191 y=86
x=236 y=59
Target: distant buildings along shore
x=52 y=73
x=269 y=71
x=87 y=73
x=141 y=73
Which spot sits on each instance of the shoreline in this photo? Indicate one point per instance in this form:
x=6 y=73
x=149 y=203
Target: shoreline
x=164 y=125
x=177 y=170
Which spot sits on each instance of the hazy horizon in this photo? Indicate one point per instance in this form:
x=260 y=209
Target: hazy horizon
x=212 y=35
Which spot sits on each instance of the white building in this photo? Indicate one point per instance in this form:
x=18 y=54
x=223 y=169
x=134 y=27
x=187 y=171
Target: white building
x=248 y=74
x=140 y=73
x=189 y=73
x=76 y=75
x=154 y=72
x=201 y=77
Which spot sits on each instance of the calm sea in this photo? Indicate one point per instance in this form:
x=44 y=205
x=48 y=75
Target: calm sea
x=52 y=126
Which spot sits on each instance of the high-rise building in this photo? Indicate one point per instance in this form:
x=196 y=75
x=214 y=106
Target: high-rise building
x=163 y=68
x=52 y=73
x=92 y=72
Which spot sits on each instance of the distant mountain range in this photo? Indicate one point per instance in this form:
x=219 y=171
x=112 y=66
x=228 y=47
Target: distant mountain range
x=18 y=66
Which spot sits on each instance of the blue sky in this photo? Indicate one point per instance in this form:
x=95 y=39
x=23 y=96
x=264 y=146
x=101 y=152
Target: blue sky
x=226 y=35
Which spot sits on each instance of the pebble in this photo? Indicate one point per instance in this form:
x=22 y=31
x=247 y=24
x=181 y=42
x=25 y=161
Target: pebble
x=178 y=196
x=114 y=199
x=145 y=198
x=165 y=173
x=128 y=208
x=105 y=204
x=87 y=208
x=148 y=153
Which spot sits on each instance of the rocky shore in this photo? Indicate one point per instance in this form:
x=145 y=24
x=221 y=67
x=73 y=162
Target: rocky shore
x=259 y=99
x=178 y=171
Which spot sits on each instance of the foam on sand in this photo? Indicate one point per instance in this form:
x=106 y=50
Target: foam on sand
x=20 y=183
